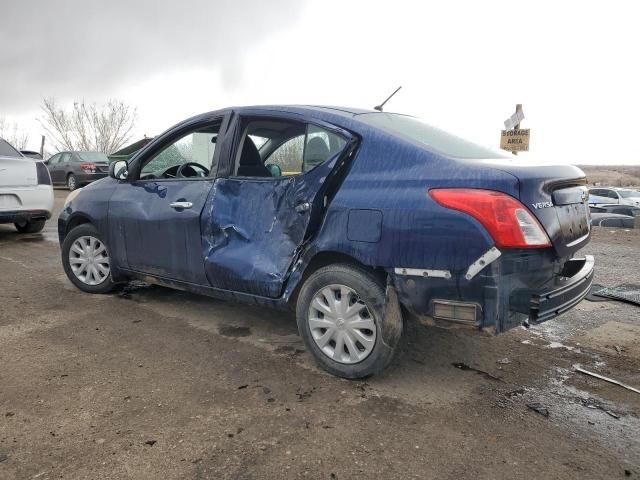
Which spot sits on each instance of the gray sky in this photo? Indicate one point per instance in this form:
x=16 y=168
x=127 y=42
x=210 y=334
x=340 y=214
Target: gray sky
x=463 y=65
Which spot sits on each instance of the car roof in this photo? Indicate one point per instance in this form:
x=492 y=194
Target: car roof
x=309 y=109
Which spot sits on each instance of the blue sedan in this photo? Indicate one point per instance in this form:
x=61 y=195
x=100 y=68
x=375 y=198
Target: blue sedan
x=359 y=220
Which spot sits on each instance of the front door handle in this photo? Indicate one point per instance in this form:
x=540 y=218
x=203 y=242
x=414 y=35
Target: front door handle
x=181 y=205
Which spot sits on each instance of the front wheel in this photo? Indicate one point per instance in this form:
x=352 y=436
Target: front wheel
x=340 y=314
x=30 y=226
x=86 y=261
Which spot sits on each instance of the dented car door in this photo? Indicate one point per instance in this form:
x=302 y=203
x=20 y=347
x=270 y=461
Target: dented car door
x=253 y=228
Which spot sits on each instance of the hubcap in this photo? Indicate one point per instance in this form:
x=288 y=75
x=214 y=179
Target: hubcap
x=89 y=260
x=341 y=324
x=72 y=182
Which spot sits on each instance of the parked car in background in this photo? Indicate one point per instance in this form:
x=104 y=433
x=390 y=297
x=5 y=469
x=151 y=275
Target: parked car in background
x=359 y=220
x=619 y=209
x=26 y=194
x=612 y=220
x=75 y=169
x=31 y=154
x=623 y=196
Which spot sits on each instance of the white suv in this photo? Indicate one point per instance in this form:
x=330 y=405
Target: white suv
x=26 y=194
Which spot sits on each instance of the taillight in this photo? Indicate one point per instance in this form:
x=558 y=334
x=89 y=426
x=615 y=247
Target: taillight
x=508 y=222
x=88 y=167
x=42 y=173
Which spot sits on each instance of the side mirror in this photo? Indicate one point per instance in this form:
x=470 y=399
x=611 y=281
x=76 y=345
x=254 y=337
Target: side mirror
x=119 y=169
x=275 y=170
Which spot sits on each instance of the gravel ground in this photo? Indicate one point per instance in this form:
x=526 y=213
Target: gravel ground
x=165 y=384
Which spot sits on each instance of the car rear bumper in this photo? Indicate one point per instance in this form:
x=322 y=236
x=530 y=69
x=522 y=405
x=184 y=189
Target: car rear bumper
x=568 y=291
x=23 y=215
x=85 y=178
x=24 y=203
x=514 y=289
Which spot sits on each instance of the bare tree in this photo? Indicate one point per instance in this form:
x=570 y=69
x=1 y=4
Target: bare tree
x=105 y=128
x=12 y=134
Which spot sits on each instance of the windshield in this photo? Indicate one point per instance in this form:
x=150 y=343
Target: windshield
x=95 y=157
x=6 y=150
x=435 y=139
x=628 y=193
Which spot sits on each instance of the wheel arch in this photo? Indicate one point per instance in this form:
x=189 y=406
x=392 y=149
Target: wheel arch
x=76 y=220
x=322 y=259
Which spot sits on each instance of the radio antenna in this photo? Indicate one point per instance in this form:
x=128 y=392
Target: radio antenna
x=379 y=107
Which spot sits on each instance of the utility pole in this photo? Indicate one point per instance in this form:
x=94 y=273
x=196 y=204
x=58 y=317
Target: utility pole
x=42 y=147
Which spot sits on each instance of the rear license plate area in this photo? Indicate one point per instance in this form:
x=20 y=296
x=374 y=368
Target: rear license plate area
x=574 y=221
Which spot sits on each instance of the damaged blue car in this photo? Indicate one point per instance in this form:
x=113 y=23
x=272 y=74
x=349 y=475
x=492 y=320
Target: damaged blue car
x=359 y=220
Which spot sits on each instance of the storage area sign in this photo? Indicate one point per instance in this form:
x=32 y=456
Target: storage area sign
x=515 y=140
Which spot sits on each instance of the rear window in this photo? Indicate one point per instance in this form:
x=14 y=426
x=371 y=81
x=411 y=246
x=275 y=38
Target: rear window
x=433 y=138
x=6 y=150
x=95 y=157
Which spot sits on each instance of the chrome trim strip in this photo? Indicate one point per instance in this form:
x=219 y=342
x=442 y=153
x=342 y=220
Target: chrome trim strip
x=485 y=259
x=419 y=272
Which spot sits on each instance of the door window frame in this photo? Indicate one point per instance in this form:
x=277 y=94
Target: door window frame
x=240 y=133
x=169 y=138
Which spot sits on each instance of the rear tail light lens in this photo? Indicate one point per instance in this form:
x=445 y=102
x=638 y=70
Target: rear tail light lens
x=508 y=222
x=88 y=167
x=42 y=173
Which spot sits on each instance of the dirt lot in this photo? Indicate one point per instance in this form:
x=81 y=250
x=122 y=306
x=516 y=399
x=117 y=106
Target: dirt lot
x=164 y=384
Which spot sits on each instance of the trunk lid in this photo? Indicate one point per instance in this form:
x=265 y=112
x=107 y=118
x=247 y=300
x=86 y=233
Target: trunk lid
x=102 y=167
x=17 y=172
x=557 y=197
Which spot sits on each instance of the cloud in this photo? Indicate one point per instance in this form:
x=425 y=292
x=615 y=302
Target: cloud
x=73 y=48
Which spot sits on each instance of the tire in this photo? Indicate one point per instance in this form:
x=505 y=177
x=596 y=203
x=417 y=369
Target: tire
x=93 y=278
x=361 y=288
x=30 y=226
x=72 y=182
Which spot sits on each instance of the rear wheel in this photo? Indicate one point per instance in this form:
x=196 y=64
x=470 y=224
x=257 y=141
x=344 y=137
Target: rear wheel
x=30 y=226
x=340 y=312
x=86 y=261
x=72 y=182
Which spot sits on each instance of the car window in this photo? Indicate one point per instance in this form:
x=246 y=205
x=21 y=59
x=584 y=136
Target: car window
x=433 y=138
x=53 y=160
x=64 y=158
x=289 y=156
x=195 y=147
x=95 y=157
x=286 y=149
x=320 y=145
x=612 y=194
x=6 y=150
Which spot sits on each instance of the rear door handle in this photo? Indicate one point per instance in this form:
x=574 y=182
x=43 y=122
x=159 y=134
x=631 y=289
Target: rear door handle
x=303 y=207
x=181 y=205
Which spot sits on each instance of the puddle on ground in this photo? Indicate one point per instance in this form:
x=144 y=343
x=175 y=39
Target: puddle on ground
x=587 y=413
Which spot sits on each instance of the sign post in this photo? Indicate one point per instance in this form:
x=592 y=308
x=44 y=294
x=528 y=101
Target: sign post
x=515 y=139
